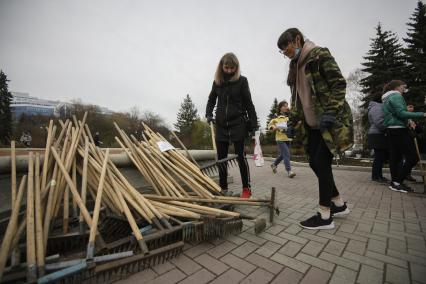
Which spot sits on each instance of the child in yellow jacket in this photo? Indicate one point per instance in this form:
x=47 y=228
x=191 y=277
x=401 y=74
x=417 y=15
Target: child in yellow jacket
x=279 y=125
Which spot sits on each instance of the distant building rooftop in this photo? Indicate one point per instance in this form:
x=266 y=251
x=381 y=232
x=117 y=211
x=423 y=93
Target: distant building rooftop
x=23 y=103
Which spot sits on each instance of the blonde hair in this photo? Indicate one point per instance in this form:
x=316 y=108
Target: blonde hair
x=227 y=59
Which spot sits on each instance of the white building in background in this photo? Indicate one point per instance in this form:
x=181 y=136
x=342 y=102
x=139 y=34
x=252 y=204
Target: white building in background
x=24 y=103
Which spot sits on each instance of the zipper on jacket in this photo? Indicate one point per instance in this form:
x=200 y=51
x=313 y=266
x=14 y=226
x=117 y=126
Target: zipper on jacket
x=226 y=115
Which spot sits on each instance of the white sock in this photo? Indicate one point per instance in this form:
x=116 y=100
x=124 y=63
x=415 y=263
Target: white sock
x=325 y=214
x=338 y=202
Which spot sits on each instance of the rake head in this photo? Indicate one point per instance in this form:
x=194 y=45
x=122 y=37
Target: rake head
x=122 y=268
x=154 y=239
x=193 y=231
x=215 y=167
x=215 y=227
x=163 y=245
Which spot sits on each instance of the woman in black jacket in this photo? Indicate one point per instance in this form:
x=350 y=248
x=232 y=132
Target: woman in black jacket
x=235 y=116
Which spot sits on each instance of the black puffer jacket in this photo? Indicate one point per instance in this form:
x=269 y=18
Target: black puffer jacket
x=233 y=105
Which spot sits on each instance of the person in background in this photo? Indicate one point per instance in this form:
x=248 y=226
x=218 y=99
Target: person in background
x=400 y=142
x=235 y=114
x=320 y=116
x=279 y=125
x=376 y=137
x=97 y=140
x=412 y=126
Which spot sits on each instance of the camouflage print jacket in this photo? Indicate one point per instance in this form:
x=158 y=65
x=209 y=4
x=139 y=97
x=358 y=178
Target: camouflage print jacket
x=328 y=93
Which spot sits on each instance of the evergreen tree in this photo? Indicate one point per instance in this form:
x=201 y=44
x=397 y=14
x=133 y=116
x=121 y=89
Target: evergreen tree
x=416 y=57
x=272 y=112
x=5 y=114
x=186 y=116
x=270 y=135
x=384 y=61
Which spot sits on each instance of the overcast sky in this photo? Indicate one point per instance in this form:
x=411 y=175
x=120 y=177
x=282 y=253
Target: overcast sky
x=150 y=54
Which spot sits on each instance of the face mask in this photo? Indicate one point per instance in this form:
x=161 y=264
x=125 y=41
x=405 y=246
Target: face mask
x=297 y=53
x=228 y=76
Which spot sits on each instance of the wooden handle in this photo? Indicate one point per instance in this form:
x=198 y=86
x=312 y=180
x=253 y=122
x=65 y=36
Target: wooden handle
x=418 y=154
x=84 y=177
x=11 y=227
x=73 y=189
x=186 y=150
x=13 y=165
x=47 y=153
x=204 y=208
x=129 y=217
x=31 y=250
x=213 y=136
x=94 y=226
x=206 y=200
x=38 y=218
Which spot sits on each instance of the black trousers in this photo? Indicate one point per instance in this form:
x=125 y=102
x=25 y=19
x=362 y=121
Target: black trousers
x=401 y=144
x=320 y=159
x=222 y=152
x=380 y=156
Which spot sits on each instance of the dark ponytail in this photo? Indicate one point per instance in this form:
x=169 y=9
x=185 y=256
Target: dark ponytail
x=289 y=36
x=392 y=85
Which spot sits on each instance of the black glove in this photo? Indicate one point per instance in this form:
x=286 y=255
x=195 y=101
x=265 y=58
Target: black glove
x=252 y=133
x=210 y=119
x=293 y=119
x=290 y=131
x=327 y=120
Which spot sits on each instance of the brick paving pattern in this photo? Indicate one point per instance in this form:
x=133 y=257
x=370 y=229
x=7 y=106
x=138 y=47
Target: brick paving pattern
x=381 y=241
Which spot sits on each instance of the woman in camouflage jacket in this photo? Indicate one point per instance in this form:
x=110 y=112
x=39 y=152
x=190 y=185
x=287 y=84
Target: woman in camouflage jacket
x=320 y=116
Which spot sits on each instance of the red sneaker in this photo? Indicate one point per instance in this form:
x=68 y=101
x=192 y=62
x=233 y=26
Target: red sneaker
x=246 y=193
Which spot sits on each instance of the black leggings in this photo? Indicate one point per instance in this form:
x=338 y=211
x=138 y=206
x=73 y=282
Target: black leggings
x=401 y=144
x=222 y=152
x=320 y=159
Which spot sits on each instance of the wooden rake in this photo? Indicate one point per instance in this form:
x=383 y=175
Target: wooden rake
x=218 y=165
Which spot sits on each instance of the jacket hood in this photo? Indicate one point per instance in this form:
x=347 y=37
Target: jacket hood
x=373 y=104
x=388 y=94
x=307 y=48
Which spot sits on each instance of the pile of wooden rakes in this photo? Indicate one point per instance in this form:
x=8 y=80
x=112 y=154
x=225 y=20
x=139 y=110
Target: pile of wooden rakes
x=84 y=221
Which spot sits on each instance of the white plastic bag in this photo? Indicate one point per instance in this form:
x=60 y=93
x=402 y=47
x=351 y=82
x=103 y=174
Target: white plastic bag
x=257 y=155
x=282 y=125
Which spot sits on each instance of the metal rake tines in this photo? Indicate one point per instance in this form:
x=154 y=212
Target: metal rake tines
x=215 y=227
x=66 y=243
x=115 y=270
x=193 y=231
x=211 y=228
x=232 y=225
x=220 y=165
x=153 y=241
x=114 y=227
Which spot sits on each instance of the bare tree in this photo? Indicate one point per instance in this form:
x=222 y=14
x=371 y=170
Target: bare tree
x=354 y=96
x=155 y=122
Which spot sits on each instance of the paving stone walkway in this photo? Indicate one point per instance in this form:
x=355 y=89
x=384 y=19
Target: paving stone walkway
x=381 y=241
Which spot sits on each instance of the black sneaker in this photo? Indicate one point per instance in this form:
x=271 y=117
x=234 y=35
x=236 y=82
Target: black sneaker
x=406 y=187
x=274 y=168
x=381 y=180
x=398 y=188
x=339 y=211
x=410 y=178
x=317 y=223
